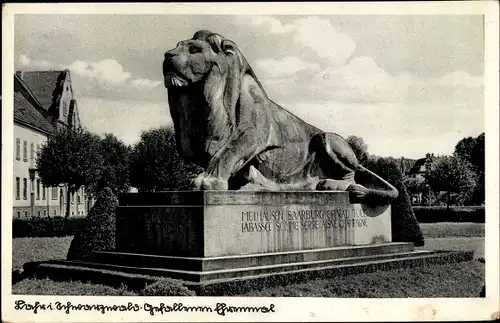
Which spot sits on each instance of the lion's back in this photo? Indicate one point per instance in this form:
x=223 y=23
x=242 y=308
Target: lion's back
x=291 y=128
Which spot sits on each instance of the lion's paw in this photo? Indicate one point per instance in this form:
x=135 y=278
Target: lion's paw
x=205 y=182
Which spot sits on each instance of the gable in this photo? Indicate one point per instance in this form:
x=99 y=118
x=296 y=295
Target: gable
x=45 y=85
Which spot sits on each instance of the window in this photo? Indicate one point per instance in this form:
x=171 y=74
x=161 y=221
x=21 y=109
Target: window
x=65 y=108
x=25 y=150
x=38 y=213
x=18 y=188
x=37 y=149
x=18 y=214
x=37 y=189
x=25 y=213
x=44 y=212
x=18 y=149
x=54 y=193
x=25 y=189
x=32 y=151
x=55 y=212
x=72 y=197
x=44 y=192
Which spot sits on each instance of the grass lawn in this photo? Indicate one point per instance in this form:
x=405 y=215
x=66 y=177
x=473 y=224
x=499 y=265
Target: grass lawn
x=38 y=249
x=475 y=244
x=449 y=230
x=454 y=280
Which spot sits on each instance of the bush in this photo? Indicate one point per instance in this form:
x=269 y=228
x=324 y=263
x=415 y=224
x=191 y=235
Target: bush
x=98 y=231
x=433 y=214
x=404 y=223
x=33 y=286
x=46 y=226
x=166 y=287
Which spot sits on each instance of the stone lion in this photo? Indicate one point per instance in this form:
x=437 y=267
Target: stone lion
x=225 y=122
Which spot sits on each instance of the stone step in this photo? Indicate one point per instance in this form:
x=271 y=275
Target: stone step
x=217 y=263
x=214 y=275
x=233 y=281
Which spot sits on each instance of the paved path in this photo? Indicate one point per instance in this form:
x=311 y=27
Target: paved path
x=475 y=244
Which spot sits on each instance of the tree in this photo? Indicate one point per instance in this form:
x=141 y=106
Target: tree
x=453 y=176
x=415 y=185
x=359 y=147
x=70 y=157
x=471 y=151
x=115 y=167
x=464 y=148
x=156 y=165
x=478 y=160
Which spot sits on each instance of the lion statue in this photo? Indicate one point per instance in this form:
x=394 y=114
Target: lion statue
x=225 y=122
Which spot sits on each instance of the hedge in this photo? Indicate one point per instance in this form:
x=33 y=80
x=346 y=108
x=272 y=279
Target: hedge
x=433 y=214
x=46 y=226
x=99 y=229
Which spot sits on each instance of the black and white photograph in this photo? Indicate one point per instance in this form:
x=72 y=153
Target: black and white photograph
x=250 y=162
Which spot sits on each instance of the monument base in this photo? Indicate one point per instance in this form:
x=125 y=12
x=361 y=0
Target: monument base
x=213 y=239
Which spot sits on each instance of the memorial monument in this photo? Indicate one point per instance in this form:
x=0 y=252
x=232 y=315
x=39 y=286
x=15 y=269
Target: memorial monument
x=278 y=196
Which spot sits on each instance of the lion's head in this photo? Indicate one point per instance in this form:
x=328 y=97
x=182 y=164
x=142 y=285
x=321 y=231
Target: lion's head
x=193 y=59
x=203 y=79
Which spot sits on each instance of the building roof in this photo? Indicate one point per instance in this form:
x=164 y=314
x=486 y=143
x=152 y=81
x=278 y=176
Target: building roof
x=43 y=84
x=420 y=164
x=416 y=168
x=26 y=113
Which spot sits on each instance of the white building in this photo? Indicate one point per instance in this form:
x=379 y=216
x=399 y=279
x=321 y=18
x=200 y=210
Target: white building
x=43 y=102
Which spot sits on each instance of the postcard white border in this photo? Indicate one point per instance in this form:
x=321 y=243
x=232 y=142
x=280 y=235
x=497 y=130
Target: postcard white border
x=287 y=309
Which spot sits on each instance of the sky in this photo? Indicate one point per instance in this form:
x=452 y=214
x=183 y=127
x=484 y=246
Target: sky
x=408 y=85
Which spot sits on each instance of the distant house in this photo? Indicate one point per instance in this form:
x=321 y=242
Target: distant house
x=421 y=166
x=43 y=102
x=418 y=171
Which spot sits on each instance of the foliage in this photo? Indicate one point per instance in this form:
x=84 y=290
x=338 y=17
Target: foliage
x=46 y=226
x=415 y=185
x=115 y=166
x=386 y=167
x=404 y=224
x=49 y=287
x=471 y=151
x=453 y=176
x=156 y=164
x=359 y=147
x=98 y=232
x=166 y=287
x=431 y=214
x=71 y=157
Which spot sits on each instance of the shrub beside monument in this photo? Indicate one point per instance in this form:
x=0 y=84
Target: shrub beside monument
x=98 y=231
x=166 y=287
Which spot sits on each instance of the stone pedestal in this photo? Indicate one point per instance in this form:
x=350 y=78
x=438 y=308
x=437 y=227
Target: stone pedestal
x=228 y=242
x=215 y=223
